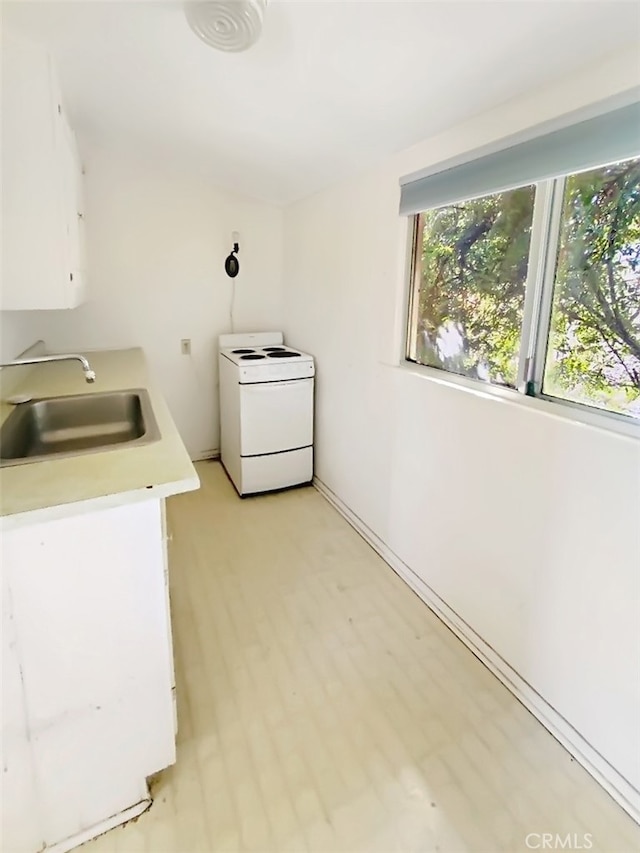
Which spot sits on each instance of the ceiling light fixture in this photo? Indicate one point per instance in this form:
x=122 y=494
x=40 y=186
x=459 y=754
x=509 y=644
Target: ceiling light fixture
x=230 y=25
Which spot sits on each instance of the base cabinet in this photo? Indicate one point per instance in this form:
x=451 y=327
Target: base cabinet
x=86 y=598
x=21 y=825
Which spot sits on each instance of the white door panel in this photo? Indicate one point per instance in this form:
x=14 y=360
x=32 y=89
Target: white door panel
x=278 y=471
x=276 y=416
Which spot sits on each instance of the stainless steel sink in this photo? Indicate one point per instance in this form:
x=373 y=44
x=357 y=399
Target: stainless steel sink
x=70 y=426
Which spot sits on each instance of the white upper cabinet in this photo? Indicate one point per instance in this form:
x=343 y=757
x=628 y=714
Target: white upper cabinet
x=42 y=208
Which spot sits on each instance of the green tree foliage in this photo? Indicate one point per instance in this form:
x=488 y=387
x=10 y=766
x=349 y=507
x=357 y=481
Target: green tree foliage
x=594 y=353
x=472 y=283
x=474 y=269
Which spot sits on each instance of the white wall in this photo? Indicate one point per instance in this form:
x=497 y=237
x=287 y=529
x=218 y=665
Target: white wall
x=18 y=330
x=156 y=245
x=524 y=523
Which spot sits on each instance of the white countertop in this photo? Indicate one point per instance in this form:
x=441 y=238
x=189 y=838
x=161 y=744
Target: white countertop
x=55 y=488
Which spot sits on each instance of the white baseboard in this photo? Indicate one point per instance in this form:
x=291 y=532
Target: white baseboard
x=204 y=455
x=604 y=773
x=100 y=828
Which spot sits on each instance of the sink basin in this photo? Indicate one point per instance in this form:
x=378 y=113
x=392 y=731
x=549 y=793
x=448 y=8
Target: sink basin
x=69 y=426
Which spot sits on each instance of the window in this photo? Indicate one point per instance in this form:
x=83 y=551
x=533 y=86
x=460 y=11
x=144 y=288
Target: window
x=536 y=288
x=593 y=350
x=472 y=260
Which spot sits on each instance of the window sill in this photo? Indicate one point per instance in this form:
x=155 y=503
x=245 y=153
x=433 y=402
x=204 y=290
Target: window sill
x=558 y=409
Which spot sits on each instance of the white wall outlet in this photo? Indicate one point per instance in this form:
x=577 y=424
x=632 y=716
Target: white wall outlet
x=185 y=346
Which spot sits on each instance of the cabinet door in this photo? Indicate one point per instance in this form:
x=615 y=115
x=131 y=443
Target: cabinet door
x=70 y=174
x=22 y=830
x=276 y=416
x=32 y=244
x=90 y=613
x=40 y=174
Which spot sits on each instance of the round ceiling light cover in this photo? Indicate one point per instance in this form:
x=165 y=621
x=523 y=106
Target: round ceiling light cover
x=230 y=25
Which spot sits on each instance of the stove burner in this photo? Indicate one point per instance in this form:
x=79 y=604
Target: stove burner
x=283 y=354
x=252 y=357
x=238 y=351
x=273 y=349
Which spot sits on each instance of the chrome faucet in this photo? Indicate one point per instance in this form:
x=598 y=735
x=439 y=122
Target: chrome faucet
x=89 y=374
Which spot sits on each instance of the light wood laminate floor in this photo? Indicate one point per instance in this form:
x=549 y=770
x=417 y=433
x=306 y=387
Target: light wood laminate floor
x=323 y=707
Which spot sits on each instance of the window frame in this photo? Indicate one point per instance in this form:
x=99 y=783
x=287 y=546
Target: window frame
x=536 y=320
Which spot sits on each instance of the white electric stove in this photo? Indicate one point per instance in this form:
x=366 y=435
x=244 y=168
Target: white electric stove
x=266 y=412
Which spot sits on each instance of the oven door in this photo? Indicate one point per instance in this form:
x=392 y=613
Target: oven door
x=276 y=416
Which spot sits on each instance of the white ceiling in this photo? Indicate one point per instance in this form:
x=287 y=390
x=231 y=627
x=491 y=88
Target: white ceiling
x=330 y=88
